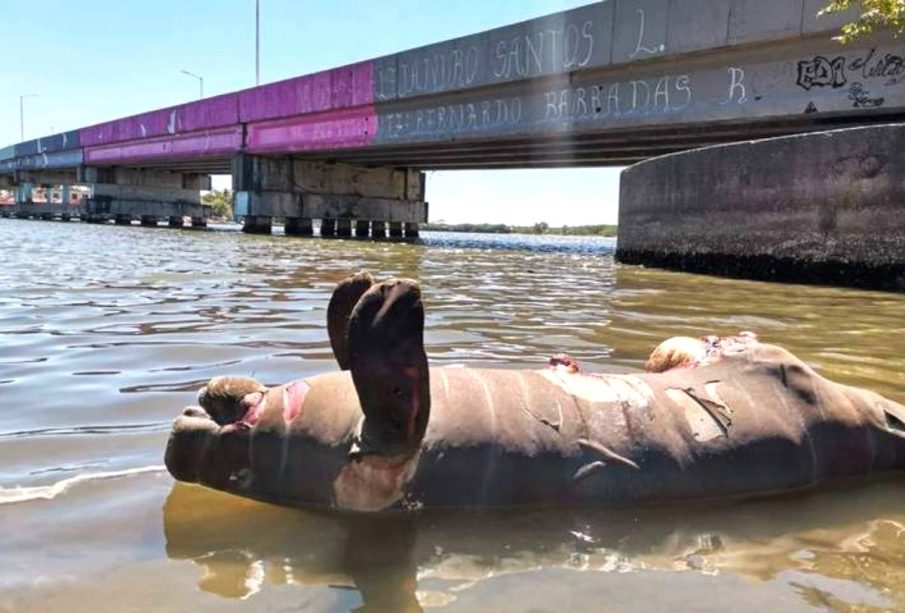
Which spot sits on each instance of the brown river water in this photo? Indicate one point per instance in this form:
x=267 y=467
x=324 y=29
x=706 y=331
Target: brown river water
x=106 y=333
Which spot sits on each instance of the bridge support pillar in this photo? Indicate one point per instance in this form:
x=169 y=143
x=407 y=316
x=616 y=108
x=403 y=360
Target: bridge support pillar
x=257 y=224
x=378 y=229
x=395 y=229
x=298 y=226
x=175 y=221
x=342 y=196
x=122 y=220
x=411 y=230
x=199 y=222
x=328 y=227
x=149 y=195
x=344 y=227
x=820 y=207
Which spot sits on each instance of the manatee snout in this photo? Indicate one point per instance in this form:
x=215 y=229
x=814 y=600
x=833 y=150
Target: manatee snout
x=188 y=443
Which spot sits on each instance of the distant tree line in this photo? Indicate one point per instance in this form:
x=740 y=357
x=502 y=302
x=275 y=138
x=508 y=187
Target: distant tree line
x=540 y=227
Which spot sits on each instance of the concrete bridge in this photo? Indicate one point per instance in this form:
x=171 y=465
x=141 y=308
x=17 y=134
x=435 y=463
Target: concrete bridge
x=610 y=83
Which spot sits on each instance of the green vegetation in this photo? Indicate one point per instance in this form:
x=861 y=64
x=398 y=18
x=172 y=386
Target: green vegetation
x=875 y=15
x=541 y=227
x=221 y=202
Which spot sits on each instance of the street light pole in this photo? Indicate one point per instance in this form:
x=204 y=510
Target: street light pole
x=22 y=114
x=200 y=82
x=257 y=42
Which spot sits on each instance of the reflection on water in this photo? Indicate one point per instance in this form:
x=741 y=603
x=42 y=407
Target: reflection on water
x=832 y=549
x=105 y=333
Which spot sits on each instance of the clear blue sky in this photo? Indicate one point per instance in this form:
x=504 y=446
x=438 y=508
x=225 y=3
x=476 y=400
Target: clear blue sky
x=95 y=60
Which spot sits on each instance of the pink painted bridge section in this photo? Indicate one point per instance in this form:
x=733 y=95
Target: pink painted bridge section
x=332 y=109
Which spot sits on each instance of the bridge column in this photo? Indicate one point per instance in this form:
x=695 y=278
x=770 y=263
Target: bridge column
x=65 y=202
x=344 y=227
x=257 y=224
x=378 y=229
x=175 y=221
x=328 y=227
x=148 y=195
x=342 y=196
x=23 y=198
x=395 y=229
x=296 y=226
x=45 y=212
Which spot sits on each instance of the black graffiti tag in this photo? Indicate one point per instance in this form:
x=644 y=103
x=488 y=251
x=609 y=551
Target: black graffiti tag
x=861 y=97
x=888 y=66
x=821 y=72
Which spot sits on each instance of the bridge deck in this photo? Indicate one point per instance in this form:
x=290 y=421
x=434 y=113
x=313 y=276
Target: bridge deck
x=609 y=83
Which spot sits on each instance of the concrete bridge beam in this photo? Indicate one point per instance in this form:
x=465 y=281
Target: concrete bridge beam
x=140 y=177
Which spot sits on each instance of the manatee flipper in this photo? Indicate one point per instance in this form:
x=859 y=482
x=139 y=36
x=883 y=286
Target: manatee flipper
x=389 y=367
x=343 y=300
x=224 y=398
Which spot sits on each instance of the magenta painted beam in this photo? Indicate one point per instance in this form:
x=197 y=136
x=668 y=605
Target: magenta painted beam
x=217 y=112
x=355 y=127
x=339 y=88
x=205 y=143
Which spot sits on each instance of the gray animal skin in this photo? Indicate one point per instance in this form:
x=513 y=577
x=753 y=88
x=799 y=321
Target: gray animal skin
x=749 y=422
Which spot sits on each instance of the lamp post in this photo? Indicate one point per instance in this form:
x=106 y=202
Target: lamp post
x=200 y=82
x=22 y=114
x=257 y=42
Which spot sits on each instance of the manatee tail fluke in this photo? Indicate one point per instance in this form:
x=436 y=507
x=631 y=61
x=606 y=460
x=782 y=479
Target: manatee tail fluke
x=343 y=300
x=389 y=367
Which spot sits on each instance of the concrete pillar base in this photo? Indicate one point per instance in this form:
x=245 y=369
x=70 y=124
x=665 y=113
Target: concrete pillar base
x=65 y=217
x=98 y=219
x=328 y=227
x=344 y=227
x=298 y=226
x=842 y=227
x=395 y=229
x=378 y=229
x=149 y=221
x=123 y=220
x=258 y=224
x=47 y=216
x=362 y=228
x=411 y=230
x=175 y=222
x=199 y=222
